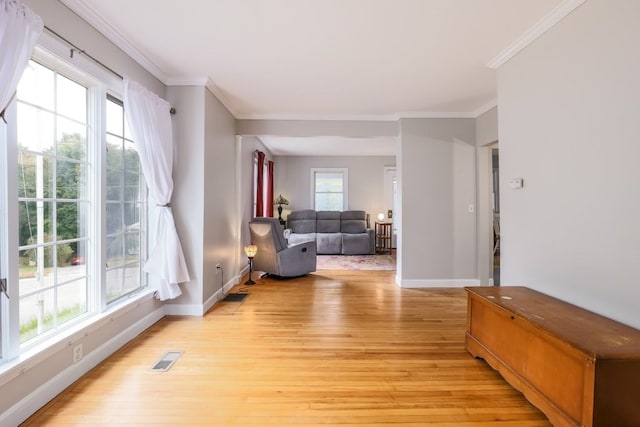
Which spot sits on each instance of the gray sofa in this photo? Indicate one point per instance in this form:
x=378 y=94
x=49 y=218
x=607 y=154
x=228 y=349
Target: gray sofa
x=343 y=233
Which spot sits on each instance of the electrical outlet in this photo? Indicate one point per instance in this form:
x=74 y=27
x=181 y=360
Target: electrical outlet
x=77 y=353
x=218 y=267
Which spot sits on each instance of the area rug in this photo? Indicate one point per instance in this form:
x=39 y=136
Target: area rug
x=356 y=262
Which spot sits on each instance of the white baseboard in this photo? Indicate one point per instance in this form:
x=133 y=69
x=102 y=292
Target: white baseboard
x=441 y=283
x=201 y=309
x=47 y=391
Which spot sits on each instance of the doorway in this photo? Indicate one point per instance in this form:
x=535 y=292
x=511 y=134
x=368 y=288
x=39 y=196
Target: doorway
x=391 y=201
x=495 y=197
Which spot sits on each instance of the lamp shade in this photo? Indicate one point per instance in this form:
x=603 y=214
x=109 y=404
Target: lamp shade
x=280 y=200
x=380 y=217
x=251 y=250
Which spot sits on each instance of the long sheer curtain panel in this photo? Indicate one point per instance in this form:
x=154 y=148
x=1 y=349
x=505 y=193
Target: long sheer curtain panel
x=20 y=29
x=150 y=123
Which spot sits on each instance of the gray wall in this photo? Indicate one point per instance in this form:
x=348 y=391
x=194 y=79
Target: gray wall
x=188 y=176
x=204 y=192
x=569 y=126
x=437 y=246
x=366 y=178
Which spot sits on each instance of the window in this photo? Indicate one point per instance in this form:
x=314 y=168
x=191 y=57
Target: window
x=77 y=201
x=125 y=206
x=53 y=200
x=329 y=189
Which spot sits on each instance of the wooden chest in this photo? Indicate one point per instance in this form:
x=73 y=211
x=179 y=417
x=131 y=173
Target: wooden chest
x=579 y=368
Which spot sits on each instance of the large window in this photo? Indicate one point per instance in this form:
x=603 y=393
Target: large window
x=79 y=204
x=53 y=200
x=329 y=189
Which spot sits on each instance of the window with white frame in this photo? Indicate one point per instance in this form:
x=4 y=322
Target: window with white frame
x=125 y=194
x=81 y=204
x=53 y=200
x=329 y=188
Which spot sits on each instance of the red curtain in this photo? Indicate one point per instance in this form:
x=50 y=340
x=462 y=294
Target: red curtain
x=269 y=197
x=260 y=185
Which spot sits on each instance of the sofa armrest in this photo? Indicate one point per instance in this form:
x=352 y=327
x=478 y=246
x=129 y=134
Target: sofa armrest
x=372 y=241
x=297 y=260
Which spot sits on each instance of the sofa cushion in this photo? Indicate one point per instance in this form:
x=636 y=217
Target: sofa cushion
x=328 y=222
x=353 y=226
x=355 y=244
x=353 y=215
x=302 y=222
x=296 y=238
x=329 y=243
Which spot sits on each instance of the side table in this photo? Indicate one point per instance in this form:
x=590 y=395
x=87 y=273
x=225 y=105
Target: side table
x=383 y=237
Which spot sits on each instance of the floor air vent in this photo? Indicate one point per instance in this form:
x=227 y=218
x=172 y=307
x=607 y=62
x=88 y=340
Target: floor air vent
x=166 y=362
x=235 y=297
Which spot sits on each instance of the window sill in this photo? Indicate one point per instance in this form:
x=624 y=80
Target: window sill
x=40 y=352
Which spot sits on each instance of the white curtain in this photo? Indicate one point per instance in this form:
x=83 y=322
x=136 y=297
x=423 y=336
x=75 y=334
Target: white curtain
x=20 y=29
x=150 y=123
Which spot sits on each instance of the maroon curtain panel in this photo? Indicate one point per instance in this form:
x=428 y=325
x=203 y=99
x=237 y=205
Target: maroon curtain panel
x=260 y=186
x=269 y=200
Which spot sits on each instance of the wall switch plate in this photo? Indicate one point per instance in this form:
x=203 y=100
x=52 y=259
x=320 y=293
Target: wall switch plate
x=472 y=208
x=77 y=353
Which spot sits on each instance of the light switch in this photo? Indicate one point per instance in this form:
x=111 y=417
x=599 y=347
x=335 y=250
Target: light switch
x=516 y=183
x=472 y=208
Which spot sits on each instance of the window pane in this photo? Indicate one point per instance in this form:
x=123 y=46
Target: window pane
x=30 y=214
x=329 y=201
x=114 y=118
x=72 y=139
x=36 y=85
x=29 y=167
x=329 y=182
x=36 y=314
x=71 y=180
x=72 y=99
x=38 y=272
x=115 y=284
x=72 y=220
x=35 y=129
x=72 y=300
x=114 y=218
x=115 y=251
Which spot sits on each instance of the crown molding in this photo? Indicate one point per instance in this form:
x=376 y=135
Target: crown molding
x=96 y=21
x=541 y=27
x=371 y=118
x=219 y=93
x=484 y=108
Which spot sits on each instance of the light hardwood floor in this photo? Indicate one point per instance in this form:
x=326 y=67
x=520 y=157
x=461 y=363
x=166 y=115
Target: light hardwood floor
x=331 y=348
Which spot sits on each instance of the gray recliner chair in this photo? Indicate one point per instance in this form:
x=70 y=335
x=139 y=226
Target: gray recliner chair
x=273 y=256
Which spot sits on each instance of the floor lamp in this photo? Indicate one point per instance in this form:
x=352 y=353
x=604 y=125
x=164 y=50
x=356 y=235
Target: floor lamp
x=250 y=251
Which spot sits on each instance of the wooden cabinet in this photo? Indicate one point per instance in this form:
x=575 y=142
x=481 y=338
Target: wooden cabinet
x=579 y=368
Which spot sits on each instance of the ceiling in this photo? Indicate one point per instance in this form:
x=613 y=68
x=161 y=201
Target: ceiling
x=329 y=59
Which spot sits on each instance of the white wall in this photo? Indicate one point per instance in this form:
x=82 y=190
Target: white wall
x=569 y=126
x=437 y=246
x=366 y=180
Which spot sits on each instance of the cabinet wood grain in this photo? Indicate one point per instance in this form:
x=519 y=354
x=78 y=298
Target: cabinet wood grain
x=579 y=368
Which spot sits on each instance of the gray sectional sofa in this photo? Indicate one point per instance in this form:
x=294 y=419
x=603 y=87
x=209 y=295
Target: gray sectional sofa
x=343 y=233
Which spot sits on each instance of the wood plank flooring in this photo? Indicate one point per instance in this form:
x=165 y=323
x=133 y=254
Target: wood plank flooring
x=332 y=348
